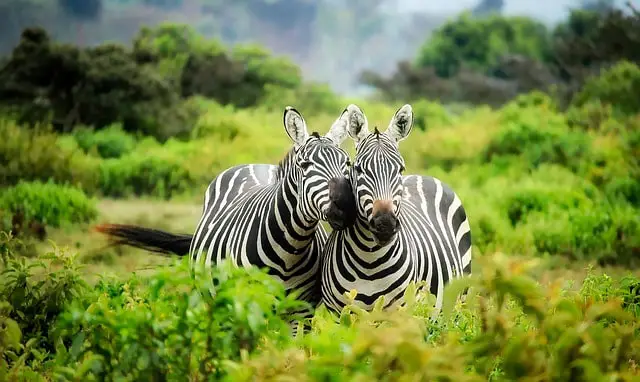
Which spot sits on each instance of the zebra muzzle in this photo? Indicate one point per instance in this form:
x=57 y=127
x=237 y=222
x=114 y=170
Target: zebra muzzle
x=342 y=211
x=384 y=226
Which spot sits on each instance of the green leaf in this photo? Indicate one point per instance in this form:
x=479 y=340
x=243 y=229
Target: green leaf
x=451 y=293
x=76 y=345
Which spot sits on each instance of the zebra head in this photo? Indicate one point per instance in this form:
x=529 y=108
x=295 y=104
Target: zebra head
x=376 y=175
x=320 y=164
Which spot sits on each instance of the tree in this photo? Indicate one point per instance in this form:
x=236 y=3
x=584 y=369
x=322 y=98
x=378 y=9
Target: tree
x=479 y=43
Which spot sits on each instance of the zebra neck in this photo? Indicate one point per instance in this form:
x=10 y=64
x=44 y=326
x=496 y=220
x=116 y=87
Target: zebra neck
x=297 y=230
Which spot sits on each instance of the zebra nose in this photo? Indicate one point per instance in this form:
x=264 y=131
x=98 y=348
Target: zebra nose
x=382 y=207
x=384 y=225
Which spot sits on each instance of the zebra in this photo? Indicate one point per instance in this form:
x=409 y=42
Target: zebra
x=265 y=215
x=408 y=227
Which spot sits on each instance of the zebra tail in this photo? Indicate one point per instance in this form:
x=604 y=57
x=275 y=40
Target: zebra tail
x=146 y=238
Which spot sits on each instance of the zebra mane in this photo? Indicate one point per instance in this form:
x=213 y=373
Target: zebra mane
x=285 y=163
x=376 y=132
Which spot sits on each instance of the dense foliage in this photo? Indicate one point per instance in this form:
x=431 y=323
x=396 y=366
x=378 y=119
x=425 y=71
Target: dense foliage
x=161 y=328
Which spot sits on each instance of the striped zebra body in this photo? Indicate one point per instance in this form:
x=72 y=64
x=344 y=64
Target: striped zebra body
x=269 y=216
x=264 y=215
x=247 y=217
x=409 y=228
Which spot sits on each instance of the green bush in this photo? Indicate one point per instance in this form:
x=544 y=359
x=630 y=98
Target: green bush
x=193 y=336
x=312 y=99
x=429 y=114
x=49 y=203
x=538 y=136
x=110 y=142
x=512 y=330
x=32 y=155
x=524 y=200
x=30 y=305
x=606 y=233
x=627 y=189
x=139 y=174
x=617 y=86
x=219 y=121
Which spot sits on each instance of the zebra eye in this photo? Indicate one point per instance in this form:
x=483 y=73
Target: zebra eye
x=305 y=164
x=357 y=168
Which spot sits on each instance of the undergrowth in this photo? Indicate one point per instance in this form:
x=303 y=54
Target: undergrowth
x=165 y=326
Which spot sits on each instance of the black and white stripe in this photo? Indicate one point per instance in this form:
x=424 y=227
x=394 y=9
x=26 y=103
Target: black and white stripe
x=268 y=216
x=409 y=228
x=265 y=215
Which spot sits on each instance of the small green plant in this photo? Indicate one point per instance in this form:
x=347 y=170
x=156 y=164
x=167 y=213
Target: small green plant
x=32 y=296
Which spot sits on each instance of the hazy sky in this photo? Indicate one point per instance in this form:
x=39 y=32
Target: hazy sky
x=550 y=11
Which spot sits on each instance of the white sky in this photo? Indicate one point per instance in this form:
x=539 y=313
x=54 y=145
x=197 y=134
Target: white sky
x=550 y=11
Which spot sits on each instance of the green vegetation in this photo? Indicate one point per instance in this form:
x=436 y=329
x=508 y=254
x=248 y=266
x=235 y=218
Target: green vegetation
x=49 y=203
x=550 y=181
x=490 y=60
x=160 y=327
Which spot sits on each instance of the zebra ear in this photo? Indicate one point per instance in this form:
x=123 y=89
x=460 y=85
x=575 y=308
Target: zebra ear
x=295 y=126
x=338 y=131
x=401 y=123
x=357 y=124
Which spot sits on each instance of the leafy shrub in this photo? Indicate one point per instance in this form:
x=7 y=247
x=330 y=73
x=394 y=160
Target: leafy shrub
x=525 y=200
x=617 y=86
x=429 y=114
x=49 y=203
x=219 y=121
x=626 y=188
x=194 y=336
x=606 y=233
x=612 y=157
x=32 y=155
x=591 y=115
x=139 y=174
x=30 y=305
x=110 y=142
x=539 y=137
x=312 y=99
x=536 y=99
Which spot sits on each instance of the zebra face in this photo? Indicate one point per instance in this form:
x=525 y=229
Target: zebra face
x=321 y=164
x=376 y=176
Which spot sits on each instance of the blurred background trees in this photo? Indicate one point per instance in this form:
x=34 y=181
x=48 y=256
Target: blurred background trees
x=145 y=81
